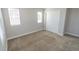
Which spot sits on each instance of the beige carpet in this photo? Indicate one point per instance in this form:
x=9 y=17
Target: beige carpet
x=44 y=41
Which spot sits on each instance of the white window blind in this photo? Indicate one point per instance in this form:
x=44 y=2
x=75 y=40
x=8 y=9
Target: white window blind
x=14 y=16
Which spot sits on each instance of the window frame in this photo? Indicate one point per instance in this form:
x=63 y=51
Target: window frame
x=39 y=16
x=15 y=17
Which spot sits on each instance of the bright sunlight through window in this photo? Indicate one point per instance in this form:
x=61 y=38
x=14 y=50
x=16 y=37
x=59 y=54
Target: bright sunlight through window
x=39 y=15
x=14 y=16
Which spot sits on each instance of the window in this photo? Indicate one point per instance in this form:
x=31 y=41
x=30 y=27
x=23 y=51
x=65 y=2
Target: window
x=39 y=15
x=14 y=16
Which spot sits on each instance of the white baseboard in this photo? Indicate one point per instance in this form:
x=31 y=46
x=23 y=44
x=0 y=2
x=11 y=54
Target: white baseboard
x=72 y=34
x=23 y=34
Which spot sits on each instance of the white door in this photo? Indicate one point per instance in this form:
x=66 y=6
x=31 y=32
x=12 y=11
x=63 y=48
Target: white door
x=3 y=41
x=52 y=20
x=0 y=39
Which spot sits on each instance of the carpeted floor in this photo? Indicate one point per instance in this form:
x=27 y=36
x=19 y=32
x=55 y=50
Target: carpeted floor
x=44 y=41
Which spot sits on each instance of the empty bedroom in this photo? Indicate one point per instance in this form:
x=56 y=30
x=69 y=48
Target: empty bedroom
x=41 y=29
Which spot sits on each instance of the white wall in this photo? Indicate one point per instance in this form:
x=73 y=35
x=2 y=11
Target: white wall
x=3 y=41
x=28 y=22
x=52 y=20
x=72 y=22
x=62 y=20
x=56 y=20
